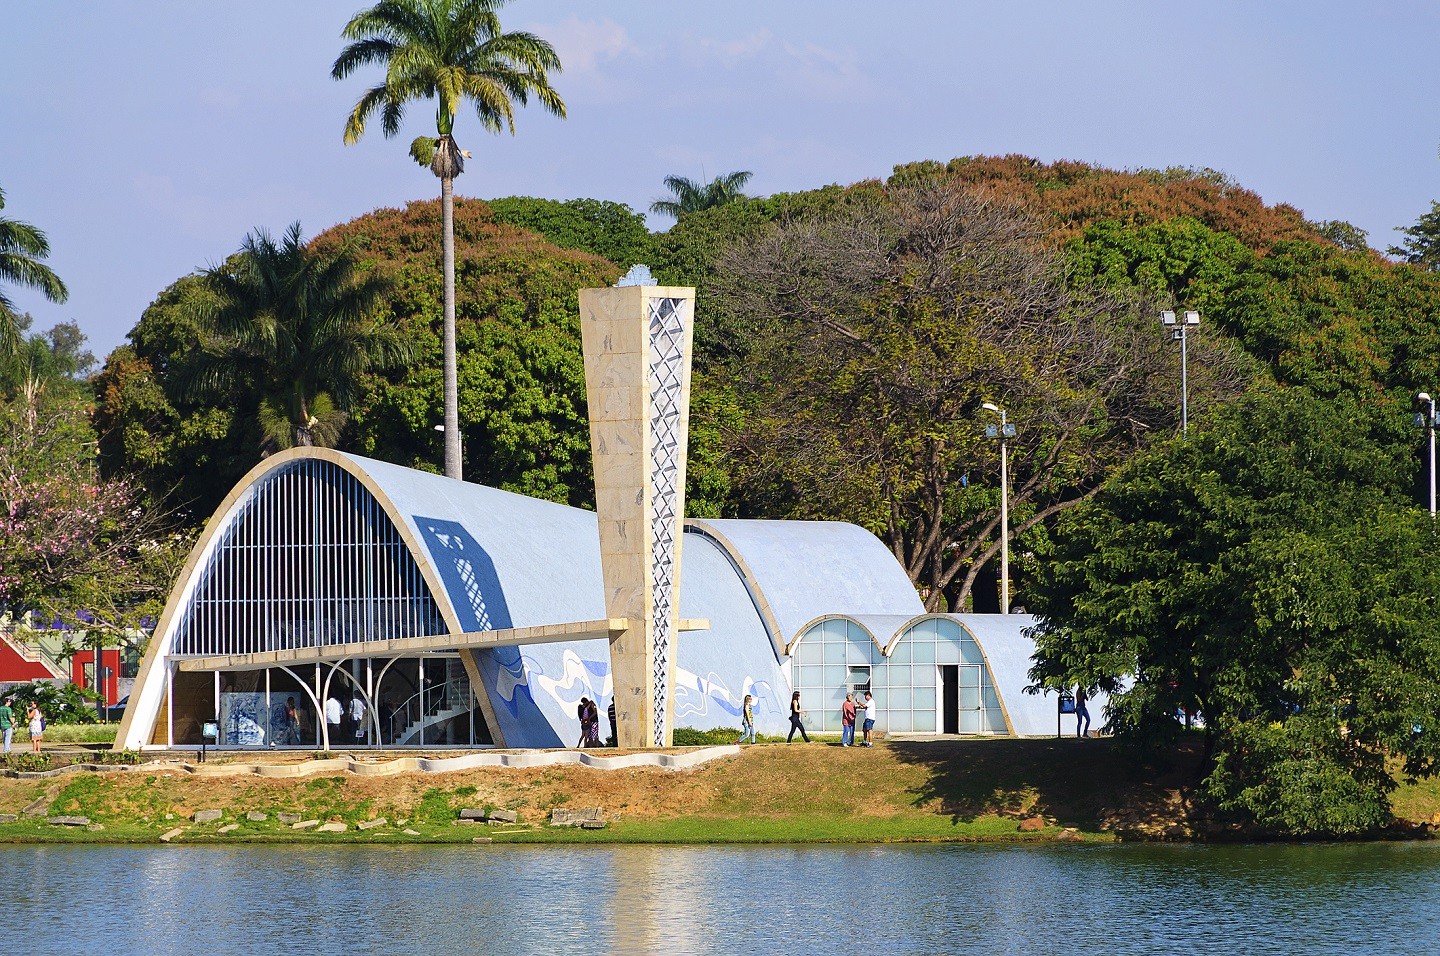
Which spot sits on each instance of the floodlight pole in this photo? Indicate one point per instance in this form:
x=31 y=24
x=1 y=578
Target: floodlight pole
x=1005 y=431
x=1426 y=420
x=1178 y=329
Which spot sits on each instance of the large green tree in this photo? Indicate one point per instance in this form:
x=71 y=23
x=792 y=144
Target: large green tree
x=1271 y=575
x=23 y=249
x=864 y=339
x=303 y=324
x=453 y=51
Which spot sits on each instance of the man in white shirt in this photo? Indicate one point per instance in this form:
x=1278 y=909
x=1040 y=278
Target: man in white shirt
x=357 y=717
x=333 y=715
x=872 y=710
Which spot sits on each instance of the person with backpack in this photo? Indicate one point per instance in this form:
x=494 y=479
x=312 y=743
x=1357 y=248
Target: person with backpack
x=37 y=726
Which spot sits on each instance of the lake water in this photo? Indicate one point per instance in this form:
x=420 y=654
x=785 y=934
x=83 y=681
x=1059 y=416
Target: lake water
x=1068 y=900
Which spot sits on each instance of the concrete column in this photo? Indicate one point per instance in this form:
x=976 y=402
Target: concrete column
x=637 y=377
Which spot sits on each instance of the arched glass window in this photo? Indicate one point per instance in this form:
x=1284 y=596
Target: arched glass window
x=311 y=558
x=831 y=659
x=936 y=681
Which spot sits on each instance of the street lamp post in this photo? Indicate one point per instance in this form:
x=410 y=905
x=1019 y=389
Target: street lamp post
x=1003 y=431
x=1426 y=420
x=1178 y=328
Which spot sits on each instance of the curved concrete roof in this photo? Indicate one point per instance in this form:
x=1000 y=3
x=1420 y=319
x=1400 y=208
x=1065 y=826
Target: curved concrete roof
x=801 y=570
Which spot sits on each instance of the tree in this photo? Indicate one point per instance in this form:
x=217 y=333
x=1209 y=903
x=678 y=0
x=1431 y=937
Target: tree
x=609 y=229
x=301 y=323
x=75 y=547
x=22 y=249
x=1270 y=575
x=692 y=196
x=454 y=51
x=864 y=341
x=1421 y=246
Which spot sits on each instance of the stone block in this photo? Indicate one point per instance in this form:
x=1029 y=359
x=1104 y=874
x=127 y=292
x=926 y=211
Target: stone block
x=95 y=827
x=228 y=828
x=255 y=816
x=503 y=816
x=410 y=832
x=304 y=824
x=68 y=821
x=472 y=813
x=8 y=818
x=207 y=816
x=371 y=824
x=331 y=828
x=482 y=840
x=592 y=824
x=1032 y=824
x=167 y=837
x=562 y=817
x=288 y=817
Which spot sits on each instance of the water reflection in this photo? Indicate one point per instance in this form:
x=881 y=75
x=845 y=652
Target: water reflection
x=828 y=899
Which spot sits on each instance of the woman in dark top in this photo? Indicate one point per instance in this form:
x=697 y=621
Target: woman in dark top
x=795 y=714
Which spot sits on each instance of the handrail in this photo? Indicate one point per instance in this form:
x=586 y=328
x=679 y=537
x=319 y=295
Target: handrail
x=441 y=692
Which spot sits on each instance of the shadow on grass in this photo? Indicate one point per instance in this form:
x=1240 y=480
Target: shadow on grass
x=1076 y=783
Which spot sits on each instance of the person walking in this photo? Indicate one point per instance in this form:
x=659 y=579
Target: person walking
x=847 y=721
x=334 y=713
x=747 y=721
x=7 y=722
x=292 y=722
x=357 y=717
x=1082 y=713
x=592 y=728
x=37 y=726
x=872 y=711
x=582 y=713
x=795 y=716
x=614 y=730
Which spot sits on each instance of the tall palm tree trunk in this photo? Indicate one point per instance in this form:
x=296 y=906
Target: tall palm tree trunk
x=452 y=386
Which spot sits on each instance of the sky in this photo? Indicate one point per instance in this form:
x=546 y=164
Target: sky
x=147 y=139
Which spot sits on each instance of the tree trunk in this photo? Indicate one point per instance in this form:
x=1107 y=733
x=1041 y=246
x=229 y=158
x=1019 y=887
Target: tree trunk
x=452 y=387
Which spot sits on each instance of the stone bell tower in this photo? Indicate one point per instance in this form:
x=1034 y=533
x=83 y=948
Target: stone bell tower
x=636 y=339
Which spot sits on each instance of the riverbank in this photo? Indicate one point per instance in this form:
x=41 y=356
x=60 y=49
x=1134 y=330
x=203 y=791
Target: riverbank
x=900 y=791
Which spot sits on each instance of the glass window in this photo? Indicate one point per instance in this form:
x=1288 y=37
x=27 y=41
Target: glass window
x=810 y=650
x=923 y=721
x=969 y=698
x=834 y=651
x=947 y=652
x=995 y=721
x=923 y=652
x=970 y=722
x=835 y=629
x=900 y=654
x=898 y=721
x=809 y=676
x=834 y=675
x=969 y=676
x=897 y=698
x=970 y=652
x=924 y=698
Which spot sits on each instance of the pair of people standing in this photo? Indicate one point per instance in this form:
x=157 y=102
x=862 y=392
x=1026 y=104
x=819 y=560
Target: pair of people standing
x=589 y=714
x=848 y=712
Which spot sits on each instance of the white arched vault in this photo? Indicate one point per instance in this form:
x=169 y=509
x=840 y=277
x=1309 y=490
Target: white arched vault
x=152 y=682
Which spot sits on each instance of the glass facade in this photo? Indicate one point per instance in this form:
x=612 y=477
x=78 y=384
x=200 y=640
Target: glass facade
x=935 y=679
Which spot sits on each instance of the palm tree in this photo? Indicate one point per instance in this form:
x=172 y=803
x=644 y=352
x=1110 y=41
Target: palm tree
x=692 y=196
x=22 y=246
x=300 y=325
x=452 y=50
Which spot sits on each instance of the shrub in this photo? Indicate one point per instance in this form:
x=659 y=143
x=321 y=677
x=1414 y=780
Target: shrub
x=28 y=762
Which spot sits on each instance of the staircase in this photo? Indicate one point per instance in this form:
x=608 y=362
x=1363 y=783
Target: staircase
x=450 y=699
x=31 y=653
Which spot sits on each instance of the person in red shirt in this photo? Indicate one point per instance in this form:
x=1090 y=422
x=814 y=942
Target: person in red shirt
x=847 y=721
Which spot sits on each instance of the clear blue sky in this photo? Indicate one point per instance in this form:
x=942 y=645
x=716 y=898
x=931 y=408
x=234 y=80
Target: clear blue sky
x=146 y=139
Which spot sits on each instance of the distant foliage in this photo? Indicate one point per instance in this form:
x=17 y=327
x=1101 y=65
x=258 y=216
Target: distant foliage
x=1421 y=245
x=607 y=229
